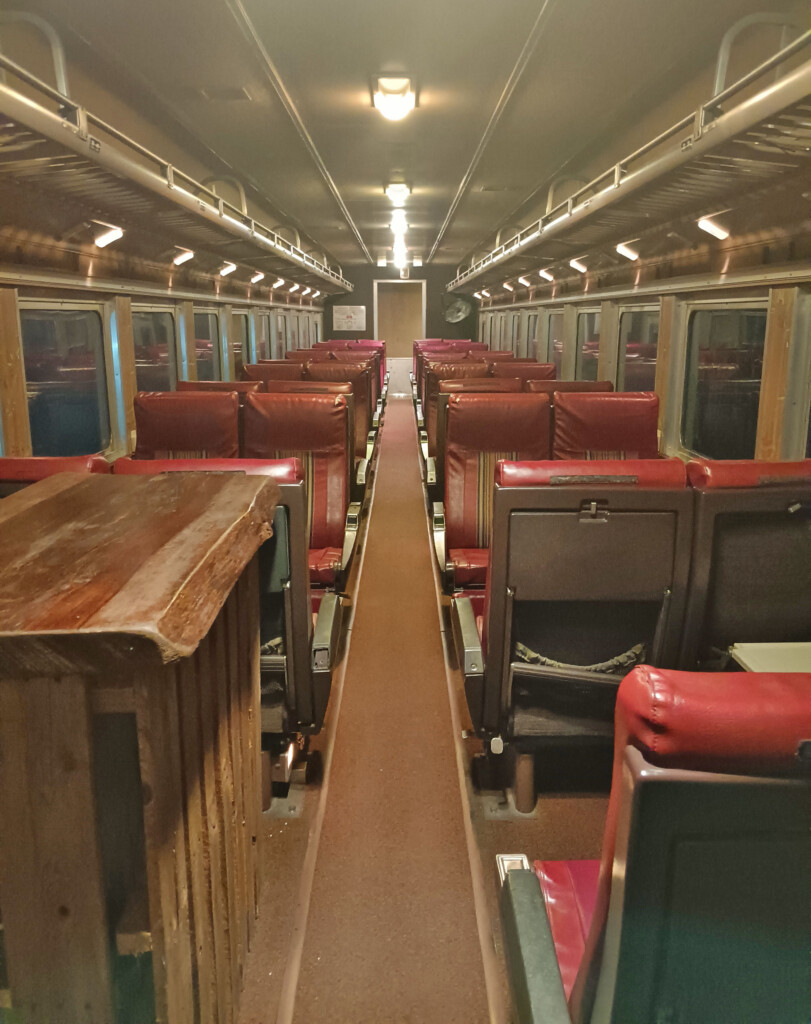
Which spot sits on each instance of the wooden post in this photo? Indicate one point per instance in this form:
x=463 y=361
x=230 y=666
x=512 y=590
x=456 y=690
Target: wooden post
x=775 y=381
x=609 y=341
x=186 y=352
x=15 y=430
x=54 y=915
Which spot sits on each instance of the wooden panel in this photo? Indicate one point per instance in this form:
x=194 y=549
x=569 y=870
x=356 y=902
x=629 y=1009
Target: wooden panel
x=775 y=379
x=399 y=316
x=122 y=312
x=16 y=430
x=187 y=354
x=51 y=887
x=667 y=320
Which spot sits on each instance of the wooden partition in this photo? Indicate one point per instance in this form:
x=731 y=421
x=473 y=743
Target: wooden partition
x=130 y=783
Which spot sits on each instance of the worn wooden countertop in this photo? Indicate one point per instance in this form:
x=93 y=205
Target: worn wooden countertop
x=98 y=569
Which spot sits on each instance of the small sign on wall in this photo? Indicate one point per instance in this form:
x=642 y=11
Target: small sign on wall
x=349 y=318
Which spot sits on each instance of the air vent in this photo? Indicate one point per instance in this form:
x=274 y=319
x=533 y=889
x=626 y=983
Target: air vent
x=225 y=94
x=496 y=188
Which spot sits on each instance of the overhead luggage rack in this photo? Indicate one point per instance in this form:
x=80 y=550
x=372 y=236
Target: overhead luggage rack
x=729 y=150
x=49 y=144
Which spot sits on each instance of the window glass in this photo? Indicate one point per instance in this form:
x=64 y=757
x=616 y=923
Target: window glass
x=207 y=346
x=304 y=332
x=262 y=336
x=516 y=331
x=281 y=336
x=292 y=331
x=639 y=336
x=316 y=331
x=63 y=352
x=239 y=342
x=588 y=346
x=722 y=382
x=555 y=354
x=153 y=335
x=532 y=335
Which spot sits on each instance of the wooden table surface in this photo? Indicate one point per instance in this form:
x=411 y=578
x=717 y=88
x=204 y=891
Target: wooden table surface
x=144 y=562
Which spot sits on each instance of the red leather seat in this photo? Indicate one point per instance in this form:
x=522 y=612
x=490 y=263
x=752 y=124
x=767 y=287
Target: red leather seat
x=526 y=370
x=606 y=426
x=186 y=425
x=283 y=471
x=436 y=371
x=357 y=375
x=241 y=387
x=479 y=385
x=273 y=369
x=17 y=472
x=368 y=360
x=690 y=722
x=554 y=387
x=315 y=429
x=481 y=429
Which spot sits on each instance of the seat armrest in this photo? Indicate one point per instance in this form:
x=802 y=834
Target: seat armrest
x=420 y=418
x=438 y=530
x=350 y=533
x=326 y=633
x=424 y=444
x=377 y=414
x=466 y=637
x=430 y=471
x=532 y=966
x=371 y=438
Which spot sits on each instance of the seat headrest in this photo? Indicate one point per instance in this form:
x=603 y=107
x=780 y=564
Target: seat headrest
x=552 y=386
x=295 y=423
x=727 y=473
x=308 y=387
x=715 y=720
x=500 y=423
x=335 y=371
x=30 y=468
x=526 y=371
x=299 y=355
x=606 y=426
x=451 y=370
x=283 y=471
x=652 y=473
x=273 y=369
x=242 y=387
x=364 y=356
x=495 y=385
x=200 y=422
x=498 y=357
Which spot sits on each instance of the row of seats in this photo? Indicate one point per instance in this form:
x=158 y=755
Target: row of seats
x=598 y=566
x=478 y=430
x=698 y=909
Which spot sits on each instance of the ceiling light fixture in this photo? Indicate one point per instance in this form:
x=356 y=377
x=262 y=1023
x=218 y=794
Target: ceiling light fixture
x=382 y=261
x=627 y=251
x=477 y=295
x=712 y=227
x=524 y=282
x=316 y=294
x=394 y=97
x=545 y=275
x=227 y=268
x=398 y=222
x=485 y=293
x=417 y=261
x=509 y=287
x=183 y=257
x=293 y=288
x=306 y=292
x=398 y=193
x=278 y=284
x=112 y=234
x=257 y=277
x=581 y=268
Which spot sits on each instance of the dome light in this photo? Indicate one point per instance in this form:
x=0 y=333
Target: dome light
x=398 y=193
x=394 y=97
x=398 y=222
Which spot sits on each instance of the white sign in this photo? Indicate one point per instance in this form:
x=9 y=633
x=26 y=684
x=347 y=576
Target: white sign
x=349 y=318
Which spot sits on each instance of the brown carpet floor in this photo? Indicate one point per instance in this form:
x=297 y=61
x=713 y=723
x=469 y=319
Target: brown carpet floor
x=391 y=935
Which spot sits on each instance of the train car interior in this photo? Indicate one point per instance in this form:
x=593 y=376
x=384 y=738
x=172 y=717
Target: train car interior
x=405 y=512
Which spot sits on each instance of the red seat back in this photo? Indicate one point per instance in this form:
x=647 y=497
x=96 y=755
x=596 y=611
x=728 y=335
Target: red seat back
x=314 y=429
x=241 y=387
x=273 y=369
x=358 y=376
x=435 y=372
x=481 y=430
x=553 y=387
x=524 y=370
x=471 y=385
x=186 y=424
x=308 y=387
x=606 y=426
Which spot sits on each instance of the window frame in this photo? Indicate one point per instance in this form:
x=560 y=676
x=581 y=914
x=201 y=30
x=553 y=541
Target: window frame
x=172 y=310
x=215 y=342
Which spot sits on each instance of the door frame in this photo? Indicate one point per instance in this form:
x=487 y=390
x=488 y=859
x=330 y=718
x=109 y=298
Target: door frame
x=386 y=280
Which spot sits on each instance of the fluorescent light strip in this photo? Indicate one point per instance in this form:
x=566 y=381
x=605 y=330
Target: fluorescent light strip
x=710 y=226
x=183 y=257
x=293 y=288
x=306 y=292
x=485 y=293
x=509 y=287
x=545 y=275
x=581 y=268
x=477 y=295
x=229 y=268
x=112 y=234
x=278 y=284
x=627 y=252
x=417 y=261
x=524 y=282
x=257 y=277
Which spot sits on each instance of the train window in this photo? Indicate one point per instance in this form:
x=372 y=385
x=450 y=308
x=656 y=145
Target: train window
x=207 y=346
x=515 y=332
x=63 y=352
x=588 y=345
x=555 y=354
x=292 y=331
x=639 y=335
x=281 y=336
x=316 y=331
x=722 y=382
x=262 y=336
x=532 y=336
x=153 y=334
x=239 y=342
x=304 y=331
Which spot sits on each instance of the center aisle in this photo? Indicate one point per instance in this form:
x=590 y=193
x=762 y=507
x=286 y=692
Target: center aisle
x=391 y=935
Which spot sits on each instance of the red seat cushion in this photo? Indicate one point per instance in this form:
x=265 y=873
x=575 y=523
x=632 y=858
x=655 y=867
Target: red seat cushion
x=324 y=563
x=469 y=566
x=570 y=892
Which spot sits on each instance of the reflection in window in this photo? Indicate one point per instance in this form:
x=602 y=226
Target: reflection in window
x=515 y=333
x=207 y=346
x=292 y=332
x=239 y=342
x=153 y=336
x=263 y=336
x=304 y=332
x=316 y=331
x=532 y=335
x=63 y=352
x=588 y=346
x=555 y=354
x=281 y=336
x=639 y=335
x=722 y=382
